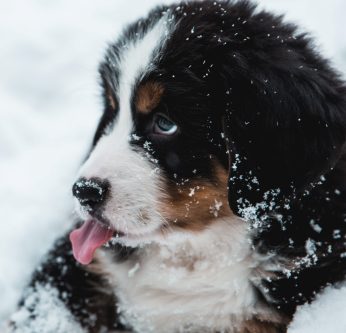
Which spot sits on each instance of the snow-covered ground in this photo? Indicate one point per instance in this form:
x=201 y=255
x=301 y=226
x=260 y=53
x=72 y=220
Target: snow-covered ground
x=49 y=105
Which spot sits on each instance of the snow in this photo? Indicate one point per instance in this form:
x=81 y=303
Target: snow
x=324 y=315
x=49 y=106
x=44 y=299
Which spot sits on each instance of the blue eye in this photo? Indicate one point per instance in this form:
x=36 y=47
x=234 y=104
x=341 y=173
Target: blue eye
x=163 y=125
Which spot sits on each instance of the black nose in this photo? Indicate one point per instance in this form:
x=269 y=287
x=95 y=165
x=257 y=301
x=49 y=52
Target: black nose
x=90 y=192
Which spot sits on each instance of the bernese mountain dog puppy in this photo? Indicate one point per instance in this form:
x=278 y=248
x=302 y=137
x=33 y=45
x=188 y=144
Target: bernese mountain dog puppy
x=213 y=198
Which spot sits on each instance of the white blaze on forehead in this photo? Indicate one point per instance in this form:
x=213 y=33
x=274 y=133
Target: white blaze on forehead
x=112 y=158
x=136 y=60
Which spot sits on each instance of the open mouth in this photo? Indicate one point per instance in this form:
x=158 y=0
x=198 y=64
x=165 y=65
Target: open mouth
x=89 y=237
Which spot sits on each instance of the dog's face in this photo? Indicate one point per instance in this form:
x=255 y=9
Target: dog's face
x=158 y=155
x=204 y=113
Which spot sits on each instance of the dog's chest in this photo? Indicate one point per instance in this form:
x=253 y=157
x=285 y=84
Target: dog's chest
x=202 y=281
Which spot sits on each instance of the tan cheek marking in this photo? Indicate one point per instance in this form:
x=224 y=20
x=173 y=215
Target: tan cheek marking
x=197 y=203
x=148 y=96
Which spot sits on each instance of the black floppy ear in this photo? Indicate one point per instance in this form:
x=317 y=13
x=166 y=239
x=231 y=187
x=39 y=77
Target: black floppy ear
x=284 y=129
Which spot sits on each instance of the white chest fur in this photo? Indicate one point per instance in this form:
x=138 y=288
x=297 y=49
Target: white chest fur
x=201 y=281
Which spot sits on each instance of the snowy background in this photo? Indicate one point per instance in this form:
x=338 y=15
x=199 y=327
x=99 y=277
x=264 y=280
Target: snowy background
x=49 y=106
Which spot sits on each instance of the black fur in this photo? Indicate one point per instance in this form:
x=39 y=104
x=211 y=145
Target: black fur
x=251 y=91
x=86 y=294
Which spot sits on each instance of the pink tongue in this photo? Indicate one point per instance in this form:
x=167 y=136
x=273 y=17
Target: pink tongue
x=85 y=240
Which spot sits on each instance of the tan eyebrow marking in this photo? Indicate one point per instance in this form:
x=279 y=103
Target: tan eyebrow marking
x=111 y=101
x=148 y=96
x=110 y=96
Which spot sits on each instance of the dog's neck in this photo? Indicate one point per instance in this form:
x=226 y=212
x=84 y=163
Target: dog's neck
x=206 y=279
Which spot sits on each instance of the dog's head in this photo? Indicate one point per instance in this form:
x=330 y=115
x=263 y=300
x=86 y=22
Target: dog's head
x=208 y=110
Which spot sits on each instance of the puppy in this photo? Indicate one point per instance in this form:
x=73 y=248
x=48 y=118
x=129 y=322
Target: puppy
x=213 y=197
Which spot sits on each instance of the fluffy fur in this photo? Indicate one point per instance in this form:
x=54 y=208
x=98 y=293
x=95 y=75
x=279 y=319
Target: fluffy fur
x=239 y=215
